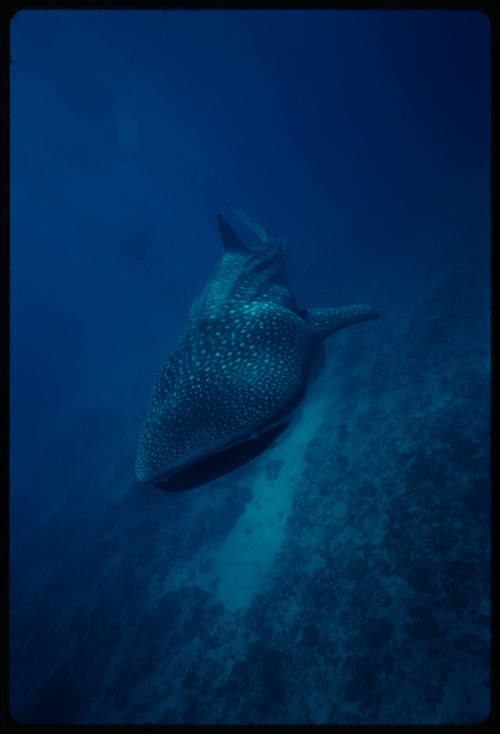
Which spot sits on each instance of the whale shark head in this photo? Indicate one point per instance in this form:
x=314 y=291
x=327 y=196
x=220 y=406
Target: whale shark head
x=242 y=362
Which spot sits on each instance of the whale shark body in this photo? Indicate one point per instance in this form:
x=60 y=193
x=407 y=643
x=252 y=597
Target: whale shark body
x=243 y=361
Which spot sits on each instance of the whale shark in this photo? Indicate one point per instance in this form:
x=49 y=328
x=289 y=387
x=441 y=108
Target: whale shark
x=243 y=361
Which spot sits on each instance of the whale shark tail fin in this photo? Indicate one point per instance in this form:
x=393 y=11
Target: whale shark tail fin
x=324 y=321
x=259 y=231
x=232 y=241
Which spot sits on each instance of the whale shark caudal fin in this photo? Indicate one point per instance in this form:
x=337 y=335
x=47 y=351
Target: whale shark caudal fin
x=230 y=240
x=259 y=231
x=324 y=321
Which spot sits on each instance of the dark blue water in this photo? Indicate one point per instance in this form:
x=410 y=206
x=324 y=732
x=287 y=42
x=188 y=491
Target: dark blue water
x=342 y=576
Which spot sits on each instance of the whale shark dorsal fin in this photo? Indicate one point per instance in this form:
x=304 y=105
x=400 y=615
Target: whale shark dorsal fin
x=324 y=321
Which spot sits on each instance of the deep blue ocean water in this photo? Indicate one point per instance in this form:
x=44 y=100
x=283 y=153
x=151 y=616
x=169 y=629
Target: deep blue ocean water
x=343 y=575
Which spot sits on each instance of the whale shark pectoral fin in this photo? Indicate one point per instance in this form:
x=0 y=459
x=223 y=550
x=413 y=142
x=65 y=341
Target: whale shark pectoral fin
x=324 y=321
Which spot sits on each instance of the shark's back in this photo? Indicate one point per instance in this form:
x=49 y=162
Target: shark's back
x=243 y=360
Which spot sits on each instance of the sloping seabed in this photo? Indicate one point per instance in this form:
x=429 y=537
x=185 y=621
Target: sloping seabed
x=342 y=576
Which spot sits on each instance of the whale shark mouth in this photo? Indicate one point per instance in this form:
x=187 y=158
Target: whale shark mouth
x=212 y=466
x=217 y=462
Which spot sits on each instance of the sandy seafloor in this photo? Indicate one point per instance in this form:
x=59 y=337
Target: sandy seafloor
x=341 y=577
